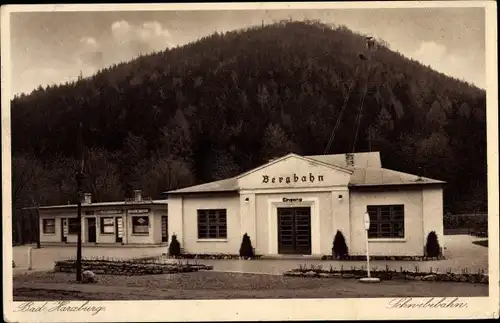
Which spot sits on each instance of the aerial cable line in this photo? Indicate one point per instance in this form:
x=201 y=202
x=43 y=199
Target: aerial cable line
x=358 y=118
x=371 y=46
x=351 y=86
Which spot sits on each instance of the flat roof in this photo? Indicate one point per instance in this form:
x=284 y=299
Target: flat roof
x=101 y=204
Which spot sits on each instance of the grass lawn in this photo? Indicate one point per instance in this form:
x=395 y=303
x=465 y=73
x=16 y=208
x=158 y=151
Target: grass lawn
x=219 y=285
x=483 y=243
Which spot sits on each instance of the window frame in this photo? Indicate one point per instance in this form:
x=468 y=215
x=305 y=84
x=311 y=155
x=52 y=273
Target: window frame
x=68 y=223
x=103 y=225
x=148 y=225
x=391 y=217
x=206 y=224
x=44 y=226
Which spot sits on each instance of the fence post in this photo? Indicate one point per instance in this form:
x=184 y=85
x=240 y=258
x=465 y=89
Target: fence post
x=30 y=255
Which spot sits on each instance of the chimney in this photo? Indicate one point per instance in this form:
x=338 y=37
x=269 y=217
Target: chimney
x=349 y=160
x=87 y=198
x=137 y=195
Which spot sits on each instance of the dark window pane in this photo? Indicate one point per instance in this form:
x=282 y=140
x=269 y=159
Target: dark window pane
x=387 y=221
x=212 y=224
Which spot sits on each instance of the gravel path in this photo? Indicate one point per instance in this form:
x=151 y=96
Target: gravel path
x=217 y=285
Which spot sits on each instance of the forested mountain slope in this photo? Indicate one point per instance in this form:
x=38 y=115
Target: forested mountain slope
x=227 y=103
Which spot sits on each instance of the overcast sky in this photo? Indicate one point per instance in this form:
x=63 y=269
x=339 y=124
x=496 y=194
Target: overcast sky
x=52 y=47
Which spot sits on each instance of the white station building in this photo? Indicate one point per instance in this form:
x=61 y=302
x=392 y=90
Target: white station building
x=133 y=222
x=294 y=205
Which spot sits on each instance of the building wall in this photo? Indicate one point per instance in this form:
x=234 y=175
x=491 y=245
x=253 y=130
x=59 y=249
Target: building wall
x=140 y=238
x=154 y=236
x=294 y=172
x=341 y=219
x=176 y=218
x=191 y=243
x=413 y=242
x=157 y=214
x=49 y=237
x=433 y=213
x=266 y=242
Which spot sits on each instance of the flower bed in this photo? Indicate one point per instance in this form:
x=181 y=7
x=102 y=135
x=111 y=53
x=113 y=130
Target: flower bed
x=211 y=256
x=325 y=257
x=398 y=258
x=128 y=267
x=465 y=277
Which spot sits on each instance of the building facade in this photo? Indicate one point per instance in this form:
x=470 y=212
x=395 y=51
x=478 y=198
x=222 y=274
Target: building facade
x=296 y=204
x=136 y=221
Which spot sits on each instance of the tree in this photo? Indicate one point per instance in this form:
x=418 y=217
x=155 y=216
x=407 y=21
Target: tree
x=432 y=248
x=174 y=249
x=194 y=106
x=246 y=249
x=101 y=176
x=160 y=174
x=276 y=143
x=340 y=249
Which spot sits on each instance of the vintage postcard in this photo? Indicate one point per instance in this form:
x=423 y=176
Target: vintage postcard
x=250 y=161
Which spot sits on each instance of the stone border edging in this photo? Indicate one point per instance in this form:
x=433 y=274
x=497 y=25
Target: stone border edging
x=324 y=257
x=211 y=256
x=128 y=267
x=476 y=278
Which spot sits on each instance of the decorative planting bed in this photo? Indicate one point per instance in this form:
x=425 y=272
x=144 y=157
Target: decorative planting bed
x=325 y=257
x=465 y=277
x=211 y=256
x=148 y=266
x=397 y=258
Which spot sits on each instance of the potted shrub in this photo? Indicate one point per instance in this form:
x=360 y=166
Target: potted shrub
x=174 y=249
x=246 y=249
x=339 y=250
x=432 y=248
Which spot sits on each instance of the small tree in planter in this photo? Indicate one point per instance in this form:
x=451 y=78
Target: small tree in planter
x=432 y=248
x=339 y=250
x=246 y=249
x=174 y=249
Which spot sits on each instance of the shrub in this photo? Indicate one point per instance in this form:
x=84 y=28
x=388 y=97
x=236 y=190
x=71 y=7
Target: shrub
x=339 y=249
x=432 y=248
x=174 y=249
x=246 y=249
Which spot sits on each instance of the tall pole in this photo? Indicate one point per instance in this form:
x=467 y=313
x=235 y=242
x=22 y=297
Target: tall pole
x=79 y=178
x=367 y=254
x=37 y=226
x=368 y=279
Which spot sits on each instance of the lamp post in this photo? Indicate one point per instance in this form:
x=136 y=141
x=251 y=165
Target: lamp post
x=369 y=279
x=79 y=178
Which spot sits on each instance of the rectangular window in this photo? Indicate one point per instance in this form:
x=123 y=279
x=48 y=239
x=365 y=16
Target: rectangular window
x=212 y=224
x=73 y=225
x=107 y=225
x=140 y=224
x=49 y=226
x=386 y=221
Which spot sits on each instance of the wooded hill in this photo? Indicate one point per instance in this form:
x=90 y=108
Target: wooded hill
x=228 y=102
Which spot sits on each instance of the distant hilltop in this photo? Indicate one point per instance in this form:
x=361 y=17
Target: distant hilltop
x=229 y=102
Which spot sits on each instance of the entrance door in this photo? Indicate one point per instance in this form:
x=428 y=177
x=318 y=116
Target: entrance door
x=164 y=228
x=294 y=230
x=119 y=229
x=63 y=230
x=91 y=230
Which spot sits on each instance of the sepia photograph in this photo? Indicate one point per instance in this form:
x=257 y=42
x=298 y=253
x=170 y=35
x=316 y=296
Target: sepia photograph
x=214 y=159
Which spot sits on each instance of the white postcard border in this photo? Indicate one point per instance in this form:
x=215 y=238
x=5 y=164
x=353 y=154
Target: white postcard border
x=292 y=309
